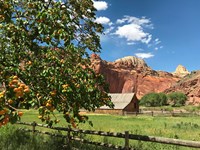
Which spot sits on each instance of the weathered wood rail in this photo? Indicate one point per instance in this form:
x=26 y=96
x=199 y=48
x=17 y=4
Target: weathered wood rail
x=126 y=136
x=164 y=113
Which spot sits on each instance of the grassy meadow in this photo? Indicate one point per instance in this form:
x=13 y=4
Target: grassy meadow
x=171 y=127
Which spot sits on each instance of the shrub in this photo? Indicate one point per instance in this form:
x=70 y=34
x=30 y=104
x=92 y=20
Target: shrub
x=177 y=99
x=154 y=99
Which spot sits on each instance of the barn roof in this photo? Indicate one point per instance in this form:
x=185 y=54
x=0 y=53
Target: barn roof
x=120 y=100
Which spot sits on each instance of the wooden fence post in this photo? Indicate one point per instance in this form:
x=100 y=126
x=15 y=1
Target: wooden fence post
x=126 y=147
x=152 y=113
x=68 y=138
x=172 y=113
x=34 y=125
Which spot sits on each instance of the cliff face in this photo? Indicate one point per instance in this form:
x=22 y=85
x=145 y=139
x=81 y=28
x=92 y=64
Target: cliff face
x=131 y=74
x=189 y=85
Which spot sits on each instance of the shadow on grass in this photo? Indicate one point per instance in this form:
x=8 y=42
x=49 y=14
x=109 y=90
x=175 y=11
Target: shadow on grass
x=14 y=139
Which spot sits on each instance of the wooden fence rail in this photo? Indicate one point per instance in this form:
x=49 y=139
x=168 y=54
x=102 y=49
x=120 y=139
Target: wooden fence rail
x=126 y=136
x=164 y=113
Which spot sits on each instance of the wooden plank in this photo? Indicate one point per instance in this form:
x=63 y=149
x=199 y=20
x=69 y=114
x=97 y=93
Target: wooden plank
x=163 y=140
x=98 y=143
x=101 y=133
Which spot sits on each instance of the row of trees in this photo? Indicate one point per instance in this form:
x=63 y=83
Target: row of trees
x=161 y=99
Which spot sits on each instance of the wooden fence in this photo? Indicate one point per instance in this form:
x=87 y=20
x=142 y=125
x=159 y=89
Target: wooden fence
x=164 y=113
x=126 y=136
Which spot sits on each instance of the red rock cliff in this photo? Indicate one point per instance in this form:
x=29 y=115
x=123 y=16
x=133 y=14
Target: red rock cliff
x=189 y=85
x=131 y=74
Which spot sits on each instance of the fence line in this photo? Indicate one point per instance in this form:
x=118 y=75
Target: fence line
x=126 y=136
x=163 y=113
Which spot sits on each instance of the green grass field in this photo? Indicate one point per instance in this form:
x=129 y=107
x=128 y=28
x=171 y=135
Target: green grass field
x=181 y=127
x=171 y=127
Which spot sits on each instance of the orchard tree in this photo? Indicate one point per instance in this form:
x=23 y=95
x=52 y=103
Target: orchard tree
x=44 y=60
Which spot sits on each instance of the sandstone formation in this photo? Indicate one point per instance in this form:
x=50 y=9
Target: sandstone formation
x=181 y=71
x=131 y=74
x=190 y=85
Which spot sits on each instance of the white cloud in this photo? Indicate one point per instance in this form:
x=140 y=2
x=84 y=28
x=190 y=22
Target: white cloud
x=133 y=32
x=130 y=43
x=131 y=19
x=132 y=29
x=157 y=41
x=120 y=21
x=110 y=24
x=100 y=5
x=108 y=30
x=144 y=55
x=103 y=20
x=147 y=39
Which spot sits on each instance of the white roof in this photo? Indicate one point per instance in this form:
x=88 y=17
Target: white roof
x=120 y=100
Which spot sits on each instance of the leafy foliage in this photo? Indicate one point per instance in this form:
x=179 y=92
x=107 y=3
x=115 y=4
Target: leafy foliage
x=154 y=99
x=177 y=98
x=44 y=59
x=161 y=99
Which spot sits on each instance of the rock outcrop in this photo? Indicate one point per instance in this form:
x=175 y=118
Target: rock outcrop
x=131 y=74
x=130 y=62
x=181 y=71
x=189 y=85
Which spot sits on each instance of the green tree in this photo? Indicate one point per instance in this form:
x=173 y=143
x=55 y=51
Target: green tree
x=177 y=98
x=154 y=99
x=44 y=60
x=162 y=99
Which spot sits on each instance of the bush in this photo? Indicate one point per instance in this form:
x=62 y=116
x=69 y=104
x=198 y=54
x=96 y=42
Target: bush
x=177 y=99
x=154 y=99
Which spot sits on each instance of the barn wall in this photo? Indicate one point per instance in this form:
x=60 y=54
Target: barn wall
x=130 y=107
x=133 y=106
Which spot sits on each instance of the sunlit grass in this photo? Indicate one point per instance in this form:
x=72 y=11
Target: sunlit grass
x=183 y=127
x=171 y=127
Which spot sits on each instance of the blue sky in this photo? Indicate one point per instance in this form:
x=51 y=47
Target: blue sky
x=165 y=33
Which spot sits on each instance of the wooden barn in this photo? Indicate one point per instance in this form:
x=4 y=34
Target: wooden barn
x=123 y=102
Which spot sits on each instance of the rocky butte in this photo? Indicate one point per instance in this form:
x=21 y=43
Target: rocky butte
x=132 y=74
x=181 y=71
